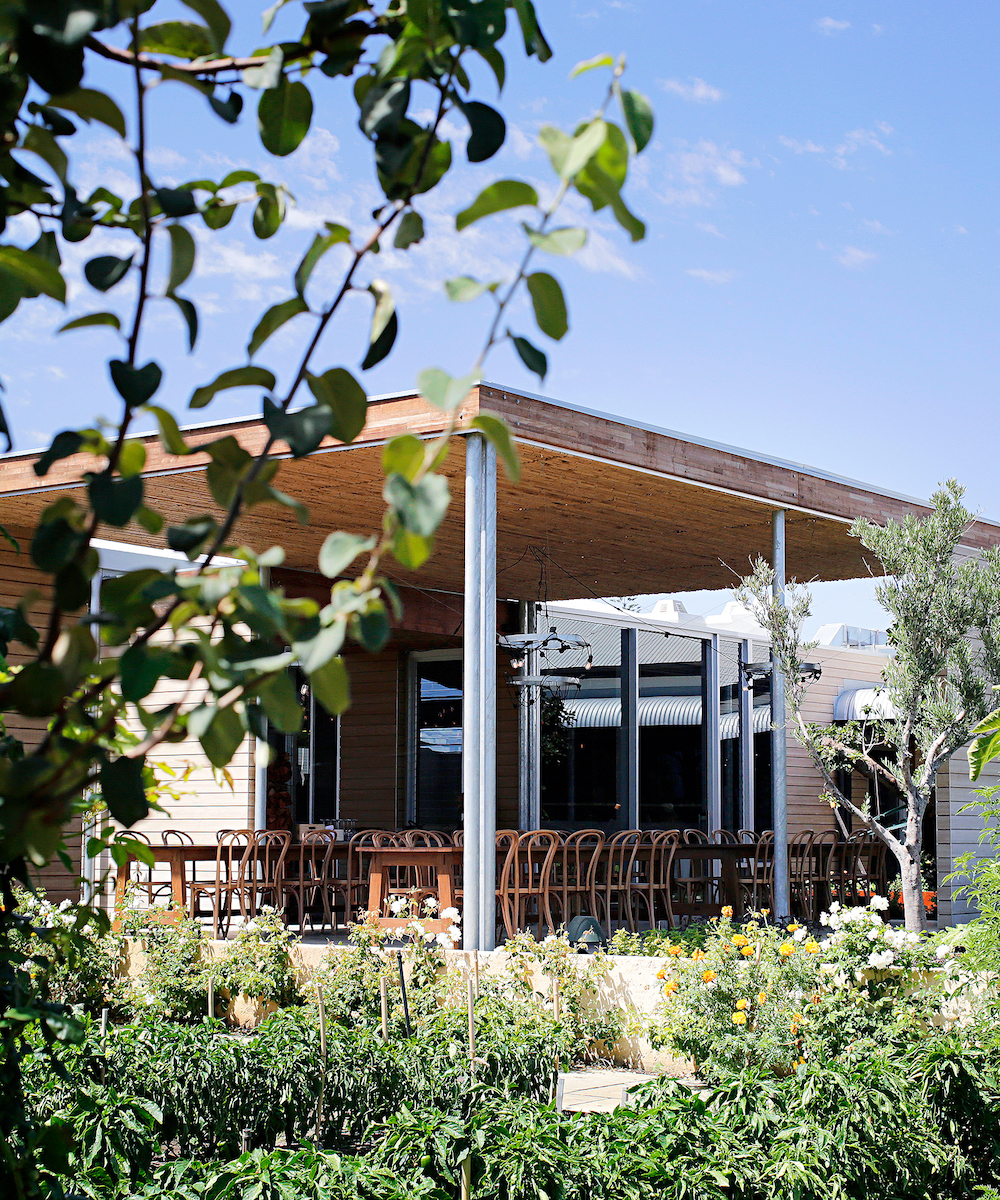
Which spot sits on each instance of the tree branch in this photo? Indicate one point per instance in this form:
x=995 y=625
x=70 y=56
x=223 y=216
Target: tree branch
x=130 y=59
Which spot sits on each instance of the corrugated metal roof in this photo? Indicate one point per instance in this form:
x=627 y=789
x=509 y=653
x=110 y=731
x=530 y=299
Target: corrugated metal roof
x=863 y=704
x=660 y=710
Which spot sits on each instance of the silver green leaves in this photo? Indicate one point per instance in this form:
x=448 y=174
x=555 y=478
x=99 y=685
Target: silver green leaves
x=272 y=321
x=238 y=377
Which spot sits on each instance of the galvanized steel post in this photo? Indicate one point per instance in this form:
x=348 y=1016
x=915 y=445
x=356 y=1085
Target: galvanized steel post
x=529 y=731
x=779 y=762
x=628 y=752
x=479 y=694
x=747 y=815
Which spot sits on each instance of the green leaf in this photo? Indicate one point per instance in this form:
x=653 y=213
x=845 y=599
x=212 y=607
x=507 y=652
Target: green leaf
x=530 y=355
x=321 y=243
x=331 y=686
x=464 y=288
x=33 y=271
x=92 y=105
x=182 y=255
x=438 y=388
x=218 y=216
x=72 y=588
x=404 y=455
x=132 y=458
x=280 y=699
x=222 y=737
x=534 y=39
x=283 y=117
x=104 y=272
x=63 y=445
x=140 y=668
x=986 y=746
x=421 y=506
x=498 y=432
x=339 y=550
x=268 y=74
x=372 y=628
x=581 y=149
x=149 y=519
x=272 y=321
x=383 y=107
x=238 y=377
x=565 y=240
x=229 y=109
x=303 y=430
x=5 y=433
x=487 y=130
x=410 y=231
x=638 y=114
x=410 y=549
x=41 y=142
x=600 y=60
x=190 y=315
x=192 y=535
x=498 y=197
x=384 y=324
x=181 y=39
x=123 y=791
x=344 y=397
x=494 y=60
x=101 y=318
x=170 y=434
x=549 y=304
x=176 y=202
x=135 y=385
x=214 y=16
x=36 y=691
x=115 y=500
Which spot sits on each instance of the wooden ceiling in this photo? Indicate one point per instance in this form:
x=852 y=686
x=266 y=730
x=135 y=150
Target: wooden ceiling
x=603 y=508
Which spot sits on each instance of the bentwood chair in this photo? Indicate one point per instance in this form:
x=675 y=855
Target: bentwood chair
x=572 y=872
x=141 y=875
x=697 y=894
x=506 y=850
x=824 y=848
x=425 y=878
x=649 y=897
x=612 y=885
x=176 y=837
x=757 y=889
x=229 y=886
x=359 y=850
x=799 y=871
x=265 y=868
x=531 y=866
x=308 y=881
x=725 y=837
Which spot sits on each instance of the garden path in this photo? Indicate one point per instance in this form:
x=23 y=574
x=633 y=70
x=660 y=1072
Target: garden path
x=596 y=1090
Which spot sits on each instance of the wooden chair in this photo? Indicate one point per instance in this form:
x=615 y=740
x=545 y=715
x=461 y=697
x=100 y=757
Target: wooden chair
x=725 y=837
x=650 y=891
x=424 y=879
x=265 y=869
x=867 y=867
x=357 y=871
x=308 y=880
x=612 y=885
x=228 y=885
x=531 y=869
x=800 y=871
x=176 y=837
x=697 y=894
x=824 y=847
x=458 y=837
x=572 y=870
x=142 y=875
x=757 y=888
x=750 y=836
x=506 y=844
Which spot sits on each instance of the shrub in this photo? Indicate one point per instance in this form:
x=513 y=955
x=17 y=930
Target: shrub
x=257 y=962
x=172 y=983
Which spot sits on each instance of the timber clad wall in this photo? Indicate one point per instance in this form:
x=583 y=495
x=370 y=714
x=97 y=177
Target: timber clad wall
x=842 y=669
x=371 y=791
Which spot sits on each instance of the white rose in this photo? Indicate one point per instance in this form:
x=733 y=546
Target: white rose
x=835 y=906
x=800 y=935
x=430 y=904
x=445 y=942
x=454 y=932
x=880 y=902
x=397 y=906
x=943 y=952
x=873 y=935
x=449 y=914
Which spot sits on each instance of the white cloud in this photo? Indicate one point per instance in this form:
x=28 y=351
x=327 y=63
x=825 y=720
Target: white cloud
x=960 y=229
x=697 y=90
x=705 y=227
x=801 y=147
x=694 y=172
x=829 y=26
x=852 y=257
x=710 y=276
x=856 y=139
x=813 y=212
x=878 y=227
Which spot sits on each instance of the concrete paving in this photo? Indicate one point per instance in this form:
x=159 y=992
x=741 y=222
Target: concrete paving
x=596 y=1090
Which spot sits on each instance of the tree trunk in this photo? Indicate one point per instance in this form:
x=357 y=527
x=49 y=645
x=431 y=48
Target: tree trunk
x=909 y=873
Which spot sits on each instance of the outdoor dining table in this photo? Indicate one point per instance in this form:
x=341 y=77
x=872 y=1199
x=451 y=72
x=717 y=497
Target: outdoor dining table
x=729 y=858
x=383 y=859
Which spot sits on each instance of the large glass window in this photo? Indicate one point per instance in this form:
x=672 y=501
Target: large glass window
x=303 y=774
x=438 y=757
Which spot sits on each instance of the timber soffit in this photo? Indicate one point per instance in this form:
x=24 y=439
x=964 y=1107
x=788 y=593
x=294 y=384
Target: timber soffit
x=549 y=425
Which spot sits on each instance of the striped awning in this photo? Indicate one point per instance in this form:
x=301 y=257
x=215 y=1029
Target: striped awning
x=863 y=704
x=660 y=710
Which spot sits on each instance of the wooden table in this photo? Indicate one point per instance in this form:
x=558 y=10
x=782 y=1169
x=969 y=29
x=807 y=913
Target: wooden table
x=443 y=859
x=729 y=857
x=177 y=856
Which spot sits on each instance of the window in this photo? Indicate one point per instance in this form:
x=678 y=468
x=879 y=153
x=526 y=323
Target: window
x=303 y=776
x=435 y=800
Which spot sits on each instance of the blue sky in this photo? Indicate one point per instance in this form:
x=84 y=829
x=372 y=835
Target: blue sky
x=818 y=280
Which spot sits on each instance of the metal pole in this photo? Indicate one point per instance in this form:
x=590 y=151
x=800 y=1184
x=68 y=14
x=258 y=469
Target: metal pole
x=779 y=763
x=529 y=732
x=710 y=725
x=628 y=752
x=479 y=694
x=747 y=814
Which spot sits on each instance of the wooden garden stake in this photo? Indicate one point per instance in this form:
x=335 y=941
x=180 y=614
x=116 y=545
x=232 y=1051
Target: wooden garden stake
x=321 y=1001
x=402 y=984
x=467 y=1161
x=467 y=1177
x=211 y=996
x=383 y=987
x=475 y=963
x=104 y=1035
x=556 y=1007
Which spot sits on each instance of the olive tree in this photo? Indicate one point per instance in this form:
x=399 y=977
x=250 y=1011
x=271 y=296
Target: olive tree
x=944 y=634
x=221 y=631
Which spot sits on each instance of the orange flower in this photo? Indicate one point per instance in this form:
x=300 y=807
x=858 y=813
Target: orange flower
x=676 y=951
x=794 y=925
x=671 y=987
x=661 y=973
x=698 y=955
x=741 y=1004
x=761 y=997
x=708 y=976
x=747 y=952
x=739 y=940
x=727 y=911
x=739 y=1018
x=811 y=947
x=786 y=949
x=814 y=998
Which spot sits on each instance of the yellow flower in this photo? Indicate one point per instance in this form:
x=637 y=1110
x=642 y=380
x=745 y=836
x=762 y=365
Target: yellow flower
x=747 y=952
x=676 y=951
x=811 y=947
x=741 y=1004
x=661 y=973
x=739 y=940
x=698 y=955
x=786 y=949
x=708 y=976
x=765 y=912
x=739 y=1018
x=727 y=911
x=761 y=997
x=671 y=987
x=792 y=928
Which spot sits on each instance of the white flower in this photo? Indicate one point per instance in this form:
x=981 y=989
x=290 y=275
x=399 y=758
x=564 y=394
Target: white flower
x=881 y=959
x=397 y=906
x=449 y=914
x=800 y=935
x=943 y=952
x=250 y=926
x=430 y=904
x=880 y=902
x=835 y=906
x=873 y=935
x=65 y=904
x=445 y=942
x=454 y=932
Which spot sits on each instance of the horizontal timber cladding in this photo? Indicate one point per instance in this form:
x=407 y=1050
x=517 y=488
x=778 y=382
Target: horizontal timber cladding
x=841 y=669
x=603 y=506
